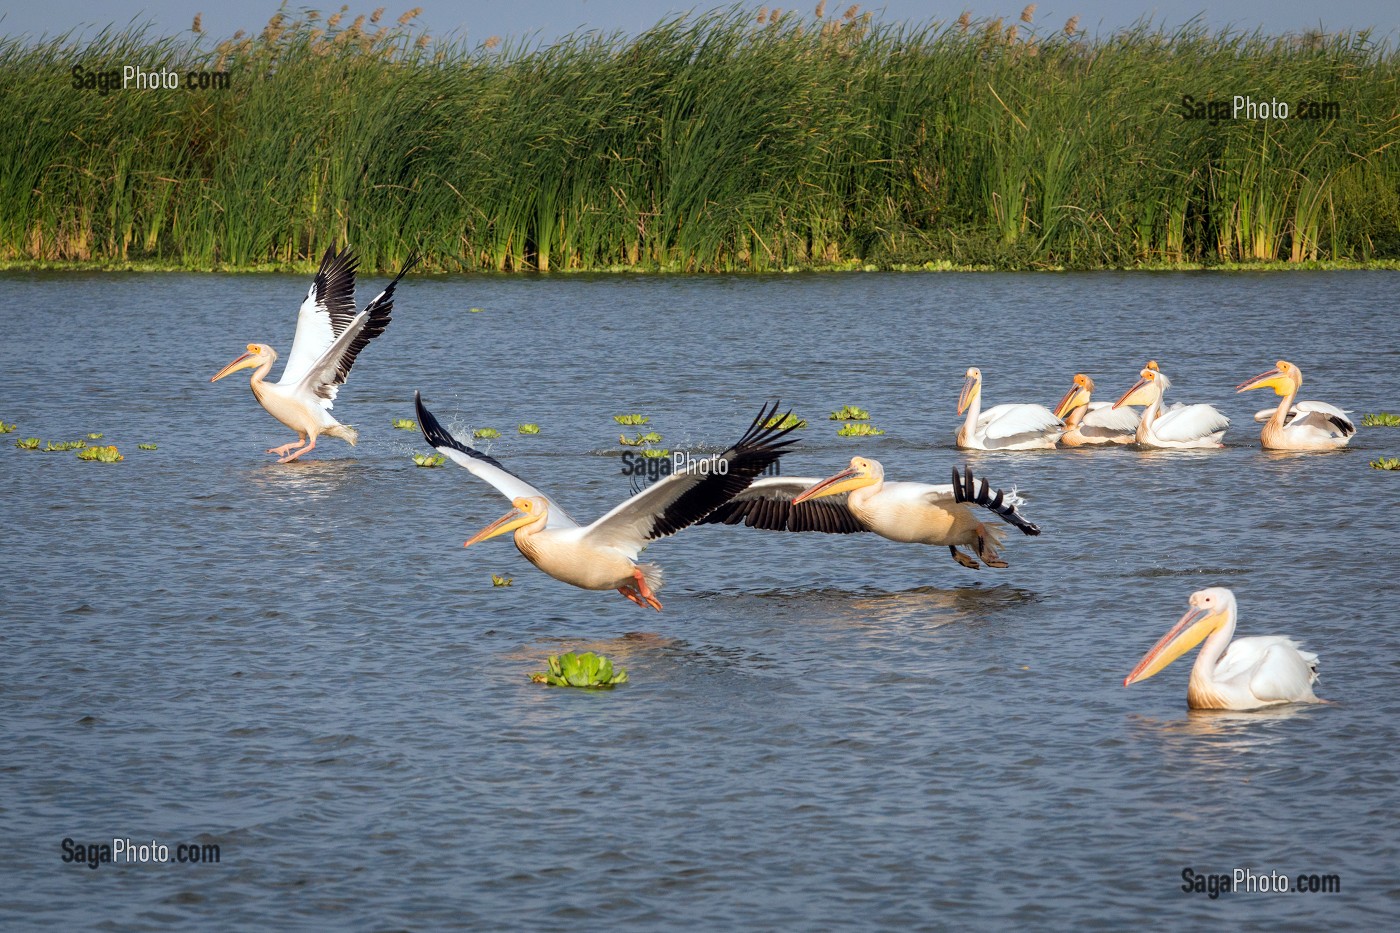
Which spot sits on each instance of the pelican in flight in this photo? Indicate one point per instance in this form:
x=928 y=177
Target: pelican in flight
x=603 y=555
x=1091 y=423
x=1297 y=425
x=1177 y=427
x=1244 y=674
x=858 y=499
x=330 y=335
x=1003 y=427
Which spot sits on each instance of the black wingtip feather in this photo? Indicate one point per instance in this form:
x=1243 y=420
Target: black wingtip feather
x=966 y=489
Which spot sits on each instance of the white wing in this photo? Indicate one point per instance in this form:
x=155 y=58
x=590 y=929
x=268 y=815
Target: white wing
x=487 y=468
x=1272 y=667
x=1189 y=423
x=689 y=496
x=1104 y=415
x=1013 y=420
x=329 y=308
x=324 y=377
x=1323 y=416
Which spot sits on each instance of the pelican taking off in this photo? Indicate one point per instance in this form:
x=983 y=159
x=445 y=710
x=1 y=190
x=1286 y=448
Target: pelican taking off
x=1003 y=427
x=330 y=335
x=858 y=499
x=1244 y=674
x=603 y=555
x=1181 y=426
x=1090 y=423
x=1297 y=425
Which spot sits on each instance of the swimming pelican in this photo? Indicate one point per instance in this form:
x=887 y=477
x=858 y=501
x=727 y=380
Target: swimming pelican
x=858 y=499
x=1248 y=674
x=603 y=555
x=1089 y=423
x=330 y=335
x=1003 y=427
x=1177 y=427
x=1310 y=425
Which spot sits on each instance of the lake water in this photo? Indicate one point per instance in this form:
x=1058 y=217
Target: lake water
x=302 y=665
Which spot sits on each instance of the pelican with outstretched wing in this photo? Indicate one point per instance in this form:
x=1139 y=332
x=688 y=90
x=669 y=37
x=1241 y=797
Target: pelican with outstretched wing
x=1297 y=425
x=1180 y=426
x=603 y=555
x=330 y=335
x=1003 y=427
x=1089 y=423
x=858 y=499
x=1244 y=674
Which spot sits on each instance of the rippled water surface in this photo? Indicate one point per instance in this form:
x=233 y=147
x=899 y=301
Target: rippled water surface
x=302 y=664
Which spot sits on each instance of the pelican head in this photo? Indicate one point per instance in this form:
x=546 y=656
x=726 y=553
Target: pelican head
x=861 y=473
x=257 y=355
x=528 y=509
x=1147 y=389
x=972 y=387
x=1076 y=397
x=1284 y=379
x=1210 y=609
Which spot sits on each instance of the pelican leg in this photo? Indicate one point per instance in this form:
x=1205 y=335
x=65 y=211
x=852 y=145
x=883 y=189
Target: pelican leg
x=969 y=562
x=631 y=593
x=297 y=453
x=988 y=553
x=645 y=590
x=279 y=451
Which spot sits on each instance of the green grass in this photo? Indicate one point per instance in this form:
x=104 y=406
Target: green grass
x=710 y=142
x=1381 y=420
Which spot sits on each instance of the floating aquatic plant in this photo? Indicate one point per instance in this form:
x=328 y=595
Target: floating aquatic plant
x=497 y=580
x=145 y=446
x=631 y=419
x=656 y=453
x=64 y=445
x=28 y=443
x=106 y=454
x=429 y=460
x=789 y=421
x=486 y=432
x=405 y=424
x=580 y=670
x=1386 y=463
x=1381 y=420
x=651 y=437
x=6 y=427
x=95 y=436
x=849 y=413
x=476 y=310
x=858 y=430
x=529 y=429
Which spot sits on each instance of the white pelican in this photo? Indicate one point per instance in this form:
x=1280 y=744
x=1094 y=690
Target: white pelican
x=1003 y=427
x=1089 y=423
x=1179 y=426
x=329 y=336
x=1310 y=425
x=603 y=555
x=1244 y=674
x=859 y=499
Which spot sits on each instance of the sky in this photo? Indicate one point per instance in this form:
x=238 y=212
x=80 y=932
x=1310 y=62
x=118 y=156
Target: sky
x=544 y=20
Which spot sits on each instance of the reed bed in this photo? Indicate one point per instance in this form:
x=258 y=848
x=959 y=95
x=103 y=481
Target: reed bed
x=717 y=141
